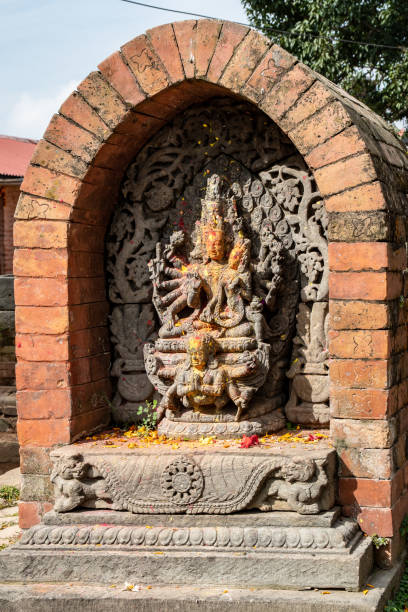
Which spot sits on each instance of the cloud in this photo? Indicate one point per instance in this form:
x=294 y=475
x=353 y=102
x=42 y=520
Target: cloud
x=30 y=114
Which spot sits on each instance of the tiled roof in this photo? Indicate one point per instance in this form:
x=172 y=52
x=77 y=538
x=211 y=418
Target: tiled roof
x=15 y=155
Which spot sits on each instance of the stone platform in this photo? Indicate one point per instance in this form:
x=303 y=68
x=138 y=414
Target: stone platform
x=255 y=549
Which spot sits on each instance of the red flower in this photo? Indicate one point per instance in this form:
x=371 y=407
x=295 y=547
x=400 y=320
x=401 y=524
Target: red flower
x=247 y=441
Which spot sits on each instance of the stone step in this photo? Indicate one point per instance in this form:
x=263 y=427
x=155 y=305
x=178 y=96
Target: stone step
x=70 y=597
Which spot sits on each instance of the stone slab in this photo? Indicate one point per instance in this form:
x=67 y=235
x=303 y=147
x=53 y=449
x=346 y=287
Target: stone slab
x=48 y=597
x=286 y=568
x=269 y=519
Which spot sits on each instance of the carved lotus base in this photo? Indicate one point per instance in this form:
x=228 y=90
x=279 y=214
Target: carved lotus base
x=272 y=549
x=194 y=425
x=194 y=481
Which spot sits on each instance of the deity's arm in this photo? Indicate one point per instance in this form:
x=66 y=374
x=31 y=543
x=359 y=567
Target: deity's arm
x=240 y=371
x=172 y=272
x=167 y=371
x=246 y=286
x=218 y=385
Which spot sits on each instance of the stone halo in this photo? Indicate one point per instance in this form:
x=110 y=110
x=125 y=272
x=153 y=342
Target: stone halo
x=182 y=481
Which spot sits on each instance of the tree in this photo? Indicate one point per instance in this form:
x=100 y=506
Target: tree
x=376 y=75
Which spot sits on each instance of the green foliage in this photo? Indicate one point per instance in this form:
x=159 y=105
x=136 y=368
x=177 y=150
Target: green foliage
x=404 y=526
x=148 y=415
x=400 y=601
x=378 y=541
x=9 y=494
x=290 y=425
x=377 y=76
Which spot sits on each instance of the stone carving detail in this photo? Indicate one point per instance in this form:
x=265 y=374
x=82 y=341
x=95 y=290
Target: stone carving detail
x=209 y=484
x=338 y=537
x=284 y=227
x=182 y=481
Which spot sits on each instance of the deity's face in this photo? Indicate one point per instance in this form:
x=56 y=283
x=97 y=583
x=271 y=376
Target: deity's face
x=198 y=353
x=214 y=243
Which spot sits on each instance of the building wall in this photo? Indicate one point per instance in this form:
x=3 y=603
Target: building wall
x=8 y=200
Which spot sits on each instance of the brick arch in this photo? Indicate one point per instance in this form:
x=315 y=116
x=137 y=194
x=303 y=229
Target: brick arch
x=361 y=170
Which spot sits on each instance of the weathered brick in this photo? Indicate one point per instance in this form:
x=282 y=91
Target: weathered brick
x=40 y=292
x=87 y=290
x=33 y=207
x=231 y=35
x=356 y=344
x=83 y=238
x=366 y=462
x=49 y=156
x=115 y=70
x=92 y=396
x=354 y=433
x=327 y=122
x=42 y=347
x=359 y=227
x=345 y=174
x=185 y=32
x=364 y=491
x=32 y=375
x=103 y=98
x=270 y=69
x=359 y=315
x=365 y=285
x=30 y=513
x=72 y=138
x=89 y=342
x=164 y=43
x=309 y=103
x=82 y=316
x=287 y=91
x=39 y=320
x=77 y=109
x=243 y=62
x=145 y=65
x=44 y=404
x=52 y=185
x=208 y=32
x=34 y=460
x=40 y=262
x=82 y=424
x=43 y=432
x=83 y=263
x=40 y=234
x=365 y=197
x=363 y=403
x=349 y=142
x=344 y=256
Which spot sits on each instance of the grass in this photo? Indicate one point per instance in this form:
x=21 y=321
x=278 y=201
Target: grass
x=9 y=496
x=400 y=602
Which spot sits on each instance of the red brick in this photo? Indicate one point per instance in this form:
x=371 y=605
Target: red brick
x=365 y=344
x=356 y=256
x=42 y=375
x=44 y=404
x=39 y=262
x=40 y=292
x=103 y=98
x=231 y=35
x=327 y=122
x=353 y=433
x=52 y=185
x=365 y=285
x=244 y=61
x=99 y=365
x=362 y=403
x=51 y=157
x=82 y=263
x=33 y=207
x=42 y=347
x=82 y=316
x=164 y=43
x=89 y=342
x=357 y=374
x=91 y=397
x=34 y=460
x=349 y=142
x=270 y=69
x=358 y=315
x=43 y=432
x=77 y=109
x=186 y=32
x=145 y=65
x=285 y=93
x=208 y=32
x=309 y=103
x=364 y=197
x=139 y=125
x=374 y=521
x=120 y=77
x=87 y=290
x=89 y=421
x=345 y=174
x=39 y=320
x=374 y=463
x=364 y=491
x=30 y=513
x=84 y=238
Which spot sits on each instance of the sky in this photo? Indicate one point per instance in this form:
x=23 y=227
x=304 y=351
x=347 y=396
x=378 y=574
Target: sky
x=48 y=46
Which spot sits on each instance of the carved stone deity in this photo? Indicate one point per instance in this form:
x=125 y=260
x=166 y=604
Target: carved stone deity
x=210 y=357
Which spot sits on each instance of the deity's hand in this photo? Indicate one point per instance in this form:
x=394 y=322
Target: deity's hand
x=250 y=360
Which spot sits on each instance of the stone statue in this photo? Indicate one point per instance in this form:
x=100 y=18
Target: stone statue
x=211 y=353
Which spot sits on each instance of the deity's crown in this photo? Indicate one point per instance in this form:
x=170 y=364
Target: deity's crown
x=212 y=206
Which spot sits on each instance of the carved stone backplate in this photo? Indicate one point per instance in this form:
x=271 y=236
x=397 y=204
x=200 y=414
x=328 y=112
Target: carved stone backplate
x=283 y=217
